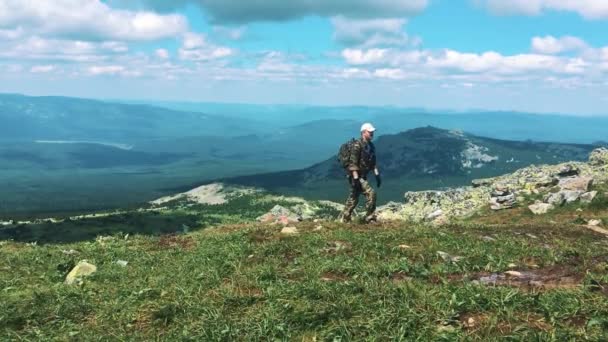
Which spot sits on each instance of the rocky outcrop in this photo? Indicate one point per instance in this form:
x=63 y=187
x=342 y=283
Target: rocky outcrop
x=599 y=157
x=559 y=184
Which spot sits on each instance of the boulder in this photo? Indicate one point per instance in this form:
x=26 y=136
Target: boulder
x=576 y=183
x=599 y=157
x=540 y=208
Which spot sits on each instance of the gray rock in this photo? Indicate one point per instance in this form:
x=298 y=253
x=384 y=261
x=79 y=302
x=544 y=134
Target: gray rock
x=435 y=214
x=588 y=197
x=540 y=208
x=557 y=199
x=571 y=195
x=576 y=183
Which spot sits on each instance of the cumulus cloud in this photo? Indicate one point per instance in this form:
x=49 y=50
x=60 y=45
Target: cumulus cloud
x=488 y=66
x=237 y=11
x=591 y=9
x=87 y=20
x=550 y=45
x=370 y=32
x=196 y=48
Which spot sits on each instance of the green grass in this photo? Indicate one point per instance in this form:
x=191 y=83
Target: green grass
x=247 y=282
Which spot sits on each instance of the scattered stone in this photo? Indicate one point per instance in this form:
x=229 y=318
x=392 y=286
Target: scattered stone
x=594 y=223
x=122 y=263
x=69 y=252
x=82 y=269
x=532 y=236
x=488 y=238
x=514 y=274
x=511 y=265
x=446 y=257
x=403 y=247
x=502 y=198
x=318 y=228
x=435 y=214
x=540 y=208
x=588 y=197
x=289 y=231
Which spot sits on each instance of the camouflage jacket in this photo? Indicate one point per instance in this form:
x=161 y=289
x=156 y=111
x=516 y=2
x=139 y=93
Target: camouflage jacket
x=362 y=157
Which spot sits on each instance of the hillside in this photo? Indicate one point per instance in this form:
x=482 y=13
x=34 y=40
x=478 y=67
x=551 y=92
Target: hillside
x=421 y=158
x=209 y=264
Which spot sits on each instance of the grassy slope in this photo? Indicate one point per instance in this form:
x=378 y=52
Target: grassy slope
x=244 y=281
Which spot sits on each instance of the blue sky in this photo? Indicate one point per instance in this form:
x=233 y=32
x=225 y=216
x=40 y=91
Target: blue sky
x=547 y=56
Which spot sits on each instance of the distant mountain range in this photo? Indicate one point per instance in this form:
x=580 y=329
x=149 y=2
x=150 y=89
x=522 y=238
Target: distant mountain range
x=62 y=118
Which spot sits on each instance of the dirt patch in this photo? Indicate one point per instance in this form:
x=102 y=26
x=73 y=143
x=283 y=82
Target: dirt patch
x=555 y=277
x=334 y=276
x=176 y=241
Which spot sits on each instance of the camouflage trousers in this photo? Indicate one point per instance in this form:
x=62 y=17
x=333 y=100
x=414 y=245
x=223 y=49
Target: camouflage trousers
x=353 y=199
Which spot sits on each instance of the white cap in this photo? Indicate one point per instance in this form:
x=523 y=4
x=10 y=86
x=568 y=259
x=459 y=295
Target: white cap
x=367 y=127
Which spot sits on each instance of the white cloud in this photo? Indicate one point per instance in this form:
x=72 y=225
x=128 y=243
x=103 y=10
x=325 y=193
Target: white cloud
x=196 y=48
x=87 y=20
x=360 y=57
x=42 y=68
x=162 y=53
x=550 y=45
x=106 y=70
x=205 y=54
x=395 y=74
x=37 y=48
x=591 y=9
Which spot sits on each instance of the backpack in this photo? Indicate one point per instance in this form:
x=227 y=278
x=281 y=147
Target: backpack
x=344 y=152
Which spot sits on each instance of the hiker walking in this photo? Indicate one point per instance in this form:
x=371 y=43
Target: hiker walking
x=358 y=157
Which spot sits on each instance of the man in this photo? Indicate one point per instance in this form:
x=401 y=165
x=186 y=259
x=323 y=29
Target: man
x=362 y=161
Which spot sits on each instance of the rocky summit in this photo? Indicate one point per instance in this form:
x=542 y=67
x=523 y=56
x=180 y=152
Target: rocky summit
x=556 y=185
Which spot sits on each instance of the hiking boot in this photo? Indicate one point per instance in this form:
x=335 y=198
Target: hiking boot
x=370 y=218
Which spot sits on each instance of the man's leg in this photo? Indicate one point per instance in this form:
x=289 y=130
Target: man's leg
x=351 y=202
x=370 y=200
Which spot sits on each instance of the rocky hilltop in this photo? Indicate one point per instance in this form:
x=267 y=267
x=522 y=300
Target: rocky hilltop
x=541 y=188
